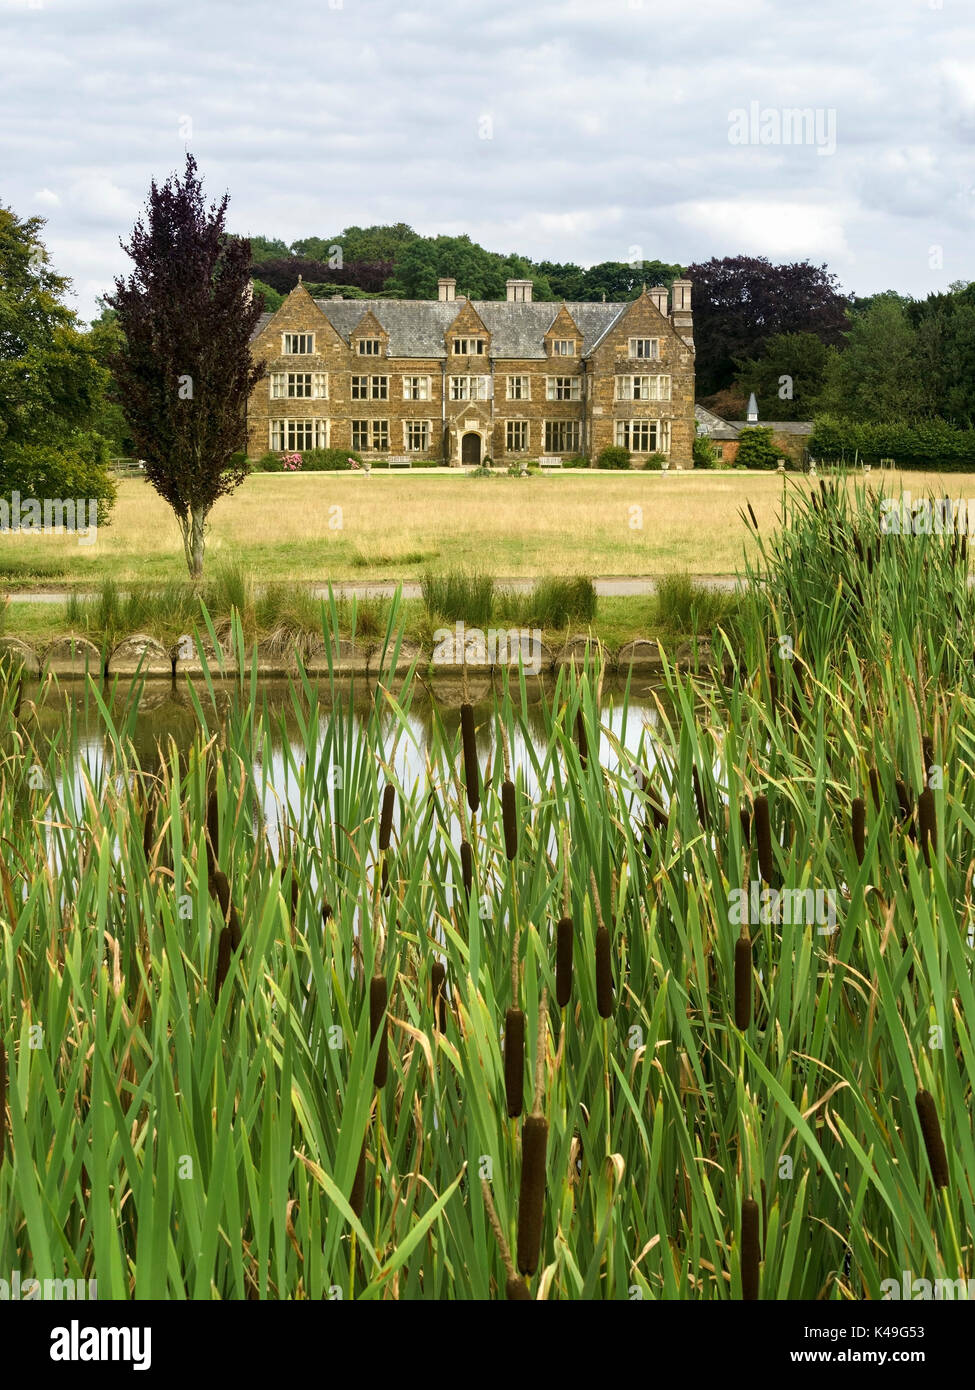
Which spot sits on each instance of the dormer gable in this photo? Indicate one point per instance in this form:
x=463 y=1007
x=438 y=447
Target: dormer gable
x=369 y=338
x=467 y=336
x=296 y=329
x=564 y=337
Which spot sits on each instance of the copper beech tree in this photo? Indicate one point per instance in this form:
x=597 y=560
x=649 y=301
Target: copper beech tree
x=185 y=370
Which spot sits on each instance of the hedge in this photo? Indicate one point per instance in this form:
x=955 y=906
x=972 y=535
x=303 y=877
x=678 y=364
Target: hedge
x=930 y=444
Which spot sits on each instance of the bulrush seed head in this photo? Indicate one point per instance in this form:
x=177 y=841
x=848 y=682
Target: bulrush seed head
x=531 y=1200
x=931 y=1133
x=582 y=739
x=357 y=1196
x=472 y=775
x=516 y=1290
x=750 y=1253
x=563 y=962
x=386 y=817
x=467 y=866
x=223 y=961
x=438 y=991
x=928 y=824
x=509 y=820
x=743 y=981
x=604 y=973
x=859 y=816
x=378 y=995
x=514 y=1062
x=763 y=836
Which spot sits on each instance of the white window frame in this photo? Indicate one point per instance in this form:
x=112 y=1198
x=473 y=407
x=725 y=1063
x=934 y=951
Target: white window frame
x=426 y=427
x=281 y=387
x=283 y=434
x=369 y=347
x=288 y=341
x=374 y=429
x=416 y=388
x=570 y=384
x=563 y=347
x=656 y=388
x=657 y=432
x=636 y=349
x=470 y=347
x=470 y=388
x=524 y=428
x=522 y=391
x=570 y=428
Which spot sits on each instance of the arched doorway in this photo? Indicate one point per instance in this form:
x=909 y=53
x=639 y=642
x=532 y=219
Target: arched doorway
x=470 y=448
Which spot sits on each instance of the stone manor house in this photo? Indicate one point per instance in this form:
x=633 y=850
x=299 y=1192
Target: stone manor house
x=457 y=381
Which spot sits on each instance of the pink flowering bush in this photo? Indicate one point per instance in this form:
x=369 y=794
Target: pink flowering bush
x=291 y=462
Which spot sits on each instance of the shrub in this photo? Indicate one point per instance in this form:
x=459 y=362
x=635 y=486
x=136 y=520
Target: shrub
x=459 y=595
x=655 y=462
x=613 y=456
x=703 y=452
x=268 y=463
x=576 y=461
x=481 y=471
x=69 y=472
x=329 y=460
x=685 y=607
x=755 y=448
x=928 y=444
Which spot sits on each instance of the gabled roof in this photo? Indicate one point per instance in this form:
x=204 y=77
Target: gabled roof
x=719 y=428
x=416 y=327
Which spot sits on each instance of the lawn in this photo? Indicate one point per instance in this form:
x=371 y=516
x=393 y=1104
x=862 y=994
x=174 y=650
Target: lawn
x=320 y=527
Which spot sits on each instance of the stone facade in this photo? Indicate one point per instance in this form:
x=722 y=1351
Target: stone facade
x=456 y=381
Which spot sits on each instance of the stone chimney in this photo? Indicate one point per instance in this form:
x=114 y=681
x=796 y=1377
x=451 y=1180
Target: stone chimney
x=659 y=296
x=680 y=310
x=519 y=291
x=446 y=288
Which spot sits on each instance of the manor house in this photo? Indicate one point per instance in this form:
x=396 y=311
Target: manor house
x=458 y=381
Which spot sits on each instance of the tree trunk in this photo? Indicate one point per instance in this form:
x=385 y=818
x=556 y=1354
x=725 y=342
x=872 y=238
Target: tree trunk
x=193 y=526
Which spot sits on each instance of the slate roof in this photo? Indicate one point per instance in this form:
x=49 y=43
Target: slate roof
x=719 y=428
x=416 y=327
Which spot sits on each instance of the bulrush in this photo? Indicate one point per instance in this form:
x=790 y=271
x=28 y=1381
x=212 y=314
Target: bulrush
x=906 y=806
x=750 y=1252
x=228 y=912
x=928 y=824
x=763 y=835
x=467 y=865
x=514 y=1062
x=472 y=776
x=859 y=815
x=508 y=819
x=931 y=1133
x=378 y=995
x=752 y=515
x=326 y=911
x=223 y=961
x=517 y=1290
x=745 y=818
x=582 y=739
x=743 y=981
x=438 y=991
x=357 y=1196
x=386 y=817
x=531 y=1197
x=563 y=961
x=213 y=831
x=875 y=787
x=702 y=810
x=149 y=826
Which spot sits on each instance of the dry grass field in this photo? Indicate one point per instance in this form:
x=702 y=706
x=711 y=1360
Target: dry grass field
x=320 y=527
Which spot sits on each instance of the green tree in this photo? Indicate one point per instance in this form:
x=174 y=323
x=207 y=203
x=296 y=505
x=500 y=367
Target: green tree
x=52 y=384
x=787 y=377
x=875 y=375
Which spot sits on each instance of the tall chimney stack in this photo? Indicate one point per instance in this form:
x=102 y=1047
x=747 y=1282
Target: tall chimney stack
x=446 y=288
x=519 y=291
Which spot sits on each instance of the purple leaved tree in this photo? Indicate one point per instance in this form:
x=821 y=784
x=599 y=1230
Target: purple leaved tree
x=185 y=369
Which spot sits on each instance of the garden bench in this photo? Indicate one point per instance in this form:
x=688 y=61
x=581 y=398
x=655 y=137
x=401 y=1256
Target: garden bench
x=550 y=463
x=400 y=461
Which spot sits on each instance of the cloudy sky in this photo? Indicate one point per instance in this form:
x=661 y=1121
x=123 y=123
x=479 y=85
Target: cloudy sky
x=565 y=130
